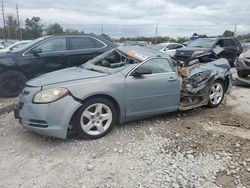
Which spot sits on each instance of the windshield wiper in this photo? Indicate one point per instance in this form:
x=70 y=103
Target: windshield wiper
x=199 y=46
x=94 y=70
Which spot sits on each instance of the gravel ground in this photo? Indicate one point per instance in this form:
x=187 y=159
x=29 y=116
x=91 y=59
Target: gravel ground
x=197 y=148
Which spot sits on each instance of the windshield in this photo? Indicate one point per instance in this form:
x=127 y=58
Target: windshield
x=17 y=45
x=109 y=62
x=188 y=42
x=27 y=45
x=159 y=46
x=204 y=42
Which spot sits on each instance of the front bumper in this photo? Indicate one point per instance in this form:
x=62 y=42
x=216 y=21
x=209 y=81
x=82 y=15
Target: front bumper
x=50 y=119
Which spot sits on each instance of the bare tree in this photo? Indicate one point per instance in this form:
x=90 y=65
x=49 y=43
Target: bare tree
x=11 y=26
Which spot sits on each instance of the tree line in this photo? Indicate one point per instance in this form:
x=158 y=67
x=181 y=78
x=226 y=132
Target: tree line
x=34 y=28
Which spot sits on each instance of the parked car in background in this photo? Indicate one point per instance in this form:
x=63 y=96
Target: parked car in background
x=232 y=48
x=8 y=42
x=1 y=45
x=44 y=55
x=14 y=46
x=123 y=84
x=243 y=64
x=169 y=48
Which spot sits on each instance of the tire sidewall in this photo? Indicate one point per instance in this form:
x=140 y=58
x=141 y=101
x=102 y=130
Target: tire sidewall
x=77 y=124
x=3 y=75
x=210 y=104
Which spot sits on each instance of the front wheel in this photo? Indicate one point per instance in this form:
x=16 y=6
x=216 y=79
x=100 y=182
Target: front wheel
x=95 y=118
x=216 y=94
x=11 y=83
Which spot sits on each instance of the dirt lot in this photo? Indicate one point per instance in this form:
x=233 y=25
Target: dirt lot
x=198 y=148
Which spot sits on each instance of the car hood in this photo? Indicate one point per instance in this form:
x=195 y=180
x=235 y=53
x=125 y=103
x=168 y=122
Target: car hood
x=5 y=54
x=193 y=49
x=64 y=75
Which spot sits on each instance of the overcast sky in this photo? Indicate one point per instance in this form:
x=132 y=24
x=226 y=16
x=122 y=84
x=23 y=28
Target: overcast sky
x=137 y=18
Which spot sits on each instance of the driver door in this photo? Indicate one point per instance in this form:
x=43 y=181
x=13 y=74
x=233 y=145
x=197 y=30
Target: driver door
x=154 y=93
x=49 y=55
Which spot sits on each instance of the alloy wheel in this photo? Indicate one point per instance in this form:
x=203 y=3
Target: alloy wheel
x=96 y=119
x=216 y=93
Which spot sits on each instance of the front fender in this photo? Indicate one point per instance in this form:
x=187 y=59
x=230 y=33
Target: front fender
x=5 y=63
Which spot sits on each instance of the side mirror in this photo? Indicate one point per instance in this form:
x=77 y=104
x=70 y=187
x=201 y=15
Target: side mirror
x=141 y=71
x=36 y=52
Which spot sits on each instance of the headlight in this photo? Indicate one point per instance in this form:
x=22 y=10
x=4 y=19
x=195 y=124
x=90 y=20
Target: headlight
x=196 y=53
x=50 y=95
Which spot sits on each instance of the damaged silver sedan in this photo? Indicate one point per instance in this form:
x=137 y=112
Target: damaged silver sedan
x=124 y=84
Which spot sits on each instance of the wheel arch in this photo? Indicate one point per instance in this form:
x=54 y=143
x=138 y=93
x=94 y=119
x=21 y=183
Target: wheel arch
x=14 y=68
x=225 y=81
x=108 y=97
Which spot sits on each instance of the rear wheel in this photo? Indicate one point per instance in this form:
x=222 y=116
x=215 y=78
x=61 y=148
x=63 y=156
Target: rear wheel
x=242 y=73
x=216 y=94
x=95 y=118
x=11 y=83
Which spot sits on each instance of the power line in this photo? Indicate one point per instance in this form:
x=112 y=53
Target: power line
x=156 y=33
x=18 y=22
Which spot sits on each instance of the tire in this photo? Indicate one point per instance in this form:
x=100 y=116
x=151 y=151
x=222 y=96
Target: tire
x=90 y=121
x=242 y=73
x=12 y=83
x=216 y=94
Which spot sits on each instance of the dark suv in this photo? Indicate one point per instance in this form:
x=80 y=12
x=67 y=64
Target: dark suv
x=44 y=55
x=232 y=48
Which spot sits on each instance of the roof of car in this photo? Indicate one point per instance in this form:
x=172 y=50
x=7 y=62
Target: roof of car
x=141 y=52
x=169 y=43
x=76 y=35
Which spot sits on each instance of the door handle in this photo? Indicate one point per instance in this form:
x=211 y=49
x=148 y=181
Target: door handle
x=172 y=78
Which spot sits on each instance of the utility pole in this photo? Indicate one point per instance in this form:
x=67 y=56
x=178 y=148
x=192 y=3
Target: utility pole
x=4 y=24
x=235 y=30
x=156 y=33
x=102 y=29
x=18 y=22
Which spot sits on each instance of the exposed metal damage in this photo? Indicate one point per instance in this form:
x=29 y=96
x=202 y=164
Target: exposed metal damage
x=197 y=78
x=195 y=88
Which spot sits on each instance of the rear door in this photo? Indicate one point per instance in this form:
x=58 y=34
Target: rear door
x=153 y=93
x=84 y=48
x=53 y=55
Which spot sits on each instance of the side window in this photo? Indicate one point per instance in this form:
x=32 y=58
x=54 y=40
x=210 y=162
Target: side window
x=170 y=47
x=219 y=43
x=158 y=65
x=225 y=43
x=178 y=46
x=97 y=43
x=228 y=42
x=53 y=45
x=80 y=43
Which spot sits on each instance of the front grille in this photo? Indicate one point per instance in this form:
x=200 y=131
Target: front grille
x=183 y=55
x=182 y=58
